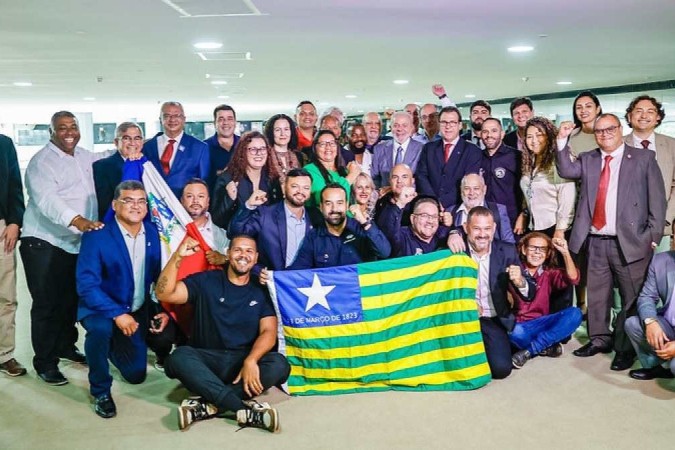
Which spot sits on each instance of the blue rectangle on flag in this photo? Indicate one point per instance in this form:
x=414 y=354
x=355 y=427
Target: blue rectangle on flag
x=319 y=297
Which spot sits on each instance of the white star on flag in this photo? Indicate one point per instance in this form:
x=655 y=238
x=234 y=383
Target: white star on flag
x=316 y=295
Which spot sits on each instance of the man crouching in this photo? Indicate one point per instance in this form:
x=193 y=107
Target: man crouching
x=229 y=359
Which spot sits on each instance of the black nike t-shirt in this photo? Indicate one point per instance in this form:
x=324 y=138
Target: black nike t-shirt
x=227 y=316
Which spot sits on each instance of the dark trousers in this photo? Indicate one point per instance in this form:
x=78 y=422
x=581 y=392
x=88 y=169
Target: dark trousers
x=210 y=373
x=50 y=275
x=105 y=341
x=497 y=347
x=607 y=267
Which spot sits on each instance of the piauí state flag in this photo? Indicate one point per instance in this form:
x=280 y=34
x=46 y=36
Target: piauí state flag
x=404 y=324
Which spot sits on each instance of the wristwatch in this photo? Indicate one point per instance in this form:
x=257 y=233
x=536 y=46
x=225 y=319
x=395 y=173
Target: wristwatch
x=649 y=320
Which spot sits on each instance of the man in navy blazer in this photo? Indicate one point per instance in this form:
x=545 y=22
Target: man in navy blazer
x=444 y=162
x=279 y=228
x=115 y=268
x=177 y=156
x=652 y=332
x=400 y=150
x=498 y=265
x=108 y=171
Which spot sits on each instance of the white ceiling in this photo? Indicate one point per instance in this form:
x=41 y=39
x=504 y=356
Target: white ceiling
x=323 y=50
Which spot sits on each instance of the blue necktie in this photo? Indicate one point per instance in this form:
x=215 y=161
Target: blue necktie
x=399 y=155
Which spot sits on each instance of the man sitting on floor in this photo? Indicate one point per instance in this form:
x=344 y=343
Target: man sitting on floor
x=229 y=358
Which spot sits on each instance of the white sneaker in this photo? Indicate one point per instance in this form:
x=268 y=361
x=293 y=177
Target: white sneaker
x=259 y=415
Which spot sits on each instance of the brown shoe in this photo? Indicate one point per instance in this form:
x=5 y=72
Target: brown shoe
x=13 y=368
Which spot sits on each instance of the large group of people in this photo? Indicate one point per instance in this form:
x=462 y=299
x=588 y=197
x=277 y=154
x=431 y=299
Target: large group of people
x=542 y=210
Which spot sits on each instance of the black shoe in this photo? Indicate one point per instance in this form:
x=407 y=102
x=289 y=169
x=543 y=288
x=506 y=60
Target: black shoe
x=104 y=406
x=589 y=350
x=554 y=351
x=75 y=356
x=622 y=361
x=650 y=374
x=519 y=358
x=53 y=377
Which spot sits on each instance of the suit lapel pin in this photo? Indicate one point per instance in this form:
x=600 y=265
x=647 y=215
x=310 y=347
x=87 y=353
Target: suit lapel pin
x=181 y=148
x=628 y=156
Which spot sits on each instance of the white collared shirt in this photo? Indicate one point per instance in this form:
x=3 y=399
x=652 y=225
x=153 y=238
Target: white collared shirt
x=60 y=187
x=136 y=248
x=637 y=142
x=611 y=200
x=483 y=294
x=215 y=236
x=163 y=141
x=404 y=146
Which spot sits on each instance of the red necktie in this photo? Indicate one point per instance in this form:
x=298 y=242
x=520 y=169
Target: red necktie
x=165 y=160
x=447 y=148
x=599 y=217
x=645 y=143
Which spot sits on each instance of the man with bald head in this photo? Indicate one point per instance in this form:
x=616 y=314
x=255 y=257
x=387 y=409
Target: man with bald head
x=620 y=223
x=473 y=191
x=395 y=205
x=400 y=150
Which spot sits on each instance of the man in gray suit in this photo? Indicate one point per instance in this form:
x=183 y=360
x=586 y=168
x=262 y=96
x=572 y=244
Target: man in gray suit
x=644 y=114
x=400 y=150
x=620 y=218
x=652 y=333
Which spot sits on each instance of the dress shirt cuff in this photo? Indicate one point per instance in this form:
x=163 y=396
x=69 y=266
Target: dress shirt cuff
x=524 y=290
x=561 y=143
x=67 y=216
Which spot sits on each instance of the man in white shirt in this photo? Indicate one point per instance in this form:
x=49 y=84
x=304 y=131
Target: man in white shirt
x=61 y=206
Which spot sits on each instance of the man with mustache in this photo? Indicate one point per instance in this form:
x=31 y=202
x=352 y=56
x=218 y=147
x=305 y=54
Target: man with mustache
x=229 y=358
x=195 y=200
x=479 y=111
x=357 y=146
x=498 y=266
x=279 y=229
x=340 y=240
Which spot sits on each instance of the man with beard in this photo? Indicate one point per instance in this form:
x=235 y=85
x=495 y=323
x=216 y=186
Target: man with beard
x=500 y=167
x=195 y=200
x=521 y=111
x=473 y=194
x=305 y=117
x=340 y=240
x=399 y=150
x=357 y=146
x=279 y=229
x=479 y=111
x=498 y=266
x=424 y=235
x=223 y=142
x=229 y=359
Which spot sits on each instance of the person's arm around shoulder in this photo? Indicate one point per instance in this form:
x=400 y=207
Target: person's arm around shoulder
x=168 y=288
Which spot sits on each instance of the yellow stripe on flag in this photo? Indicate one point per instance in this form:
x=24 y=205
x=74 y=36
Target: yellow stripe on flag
x=404 y=273
x=430 y=288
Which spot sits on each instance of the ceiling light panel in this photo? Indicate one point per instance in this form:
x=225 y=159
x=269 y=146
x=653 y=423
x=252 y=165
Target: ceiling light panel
x=225 y=56
x=213 y=8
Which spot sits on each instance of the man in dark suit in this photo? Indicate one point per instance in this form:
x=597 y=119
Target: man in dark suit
x=177 y=156
x=652 y=331
x=278 y=229
x=115 y=269
x=400 y=150
x=620 y=217
x=478 y=112
x=108 y=171
x=498 y=265
x=521 y=111
x=444 y=163
x=11 y=219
